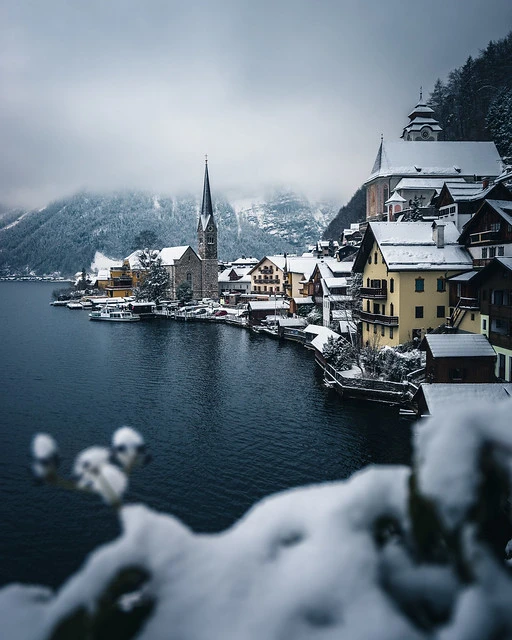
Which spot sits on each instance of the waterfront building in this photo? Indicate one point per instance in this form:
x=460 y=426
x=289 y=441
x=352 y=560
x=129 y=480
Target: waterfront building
x=405 y=267
x=184 y=266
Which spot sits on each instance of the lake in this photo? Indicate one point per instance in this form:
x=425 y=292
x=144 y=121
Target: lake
x=228 y=415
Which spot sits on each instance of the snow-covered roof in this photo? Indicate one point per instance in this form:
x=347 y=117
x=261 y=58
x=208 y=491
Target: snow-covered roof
x=467 y=191
x=459 y=345
x=426 y=183
x=133 y=259
x=268 y=305
x=395 y=197
x=332 y=283
x=316 y=329
x=442 y=396
x=245 y=262
x=241 y=272
x=103 y=274
x=410 y=246
x=463 y=277
x=169 y=254
x=322 y=338
x=304 y=300
x=436 y=159
x=503 y=208
x=292 y=322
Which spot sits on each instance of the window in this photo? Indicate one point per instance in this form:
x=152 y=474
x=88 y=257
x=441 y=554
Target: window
x=441 y=284
x=492 y=252
x=484 y=324
x=367 y=282
x=419 y=285
x=383 y=330
x=392 y=286
x=391 y=332
x=374 y=328
x=189 y=277
x=495 y=226
x=391 y=309
x=367 y=326
x=472 y=317
x=484 y=253
x=497 y=297
x=370 y=259
x=375 y=257
x=441 y=311
x=376 y=308
x=368 y=306
x=501 y=251
x=418 y=312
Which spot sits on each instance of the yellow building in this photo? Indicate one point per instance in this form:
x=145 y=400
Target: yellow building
x=405 y=266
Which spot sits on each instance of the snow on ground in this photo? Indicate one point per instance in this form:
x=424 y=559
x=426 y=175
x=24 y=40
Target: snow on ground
x=335 y=560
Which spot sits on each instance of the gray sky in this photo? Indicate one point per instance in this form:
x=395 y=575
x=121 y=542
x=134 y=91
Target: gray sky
x=108 y=94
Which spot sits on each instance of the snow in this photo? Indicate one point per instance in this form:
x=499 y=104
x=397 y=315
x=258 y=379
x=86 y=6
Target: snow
x=439 y=396
x=459 y=345
x=101 y=262
x=94 y=472
x=437 y=158
x=156 y=203
x=44 y=456
x=128 y=447
x=169 y=254
x=337 y=560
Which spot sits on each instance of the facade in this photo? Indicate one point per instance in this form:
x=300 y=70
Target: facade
x=267 y=277
x=405 y=267
x=184 y=266
x=120 y=282
x=489 y=232
x=207 y=243
x=235 y=280
x=494 y=287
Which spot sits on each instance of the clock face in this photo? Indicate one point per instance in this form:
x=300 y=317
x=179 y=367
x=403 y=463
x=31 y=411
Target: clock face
x=210 y=228
x=425 y=133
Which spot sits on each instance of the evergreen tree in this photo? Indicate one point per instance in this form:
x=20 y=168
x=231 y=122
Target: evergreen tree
x=184 y=292
x=156 y=279
x=499 y=123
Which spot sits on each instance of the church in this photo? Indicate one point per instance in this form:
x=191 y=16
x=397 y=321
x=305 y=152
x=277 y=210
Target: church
x=416 y=167
x=199 y=270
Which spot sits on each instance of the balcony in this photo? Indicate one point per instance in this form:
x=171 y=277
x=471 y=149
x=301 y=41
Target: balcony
x=469 y=303
x=266 y=270
x=483 y=237
x=377 y=318
x=266 y=280
x=374 y=293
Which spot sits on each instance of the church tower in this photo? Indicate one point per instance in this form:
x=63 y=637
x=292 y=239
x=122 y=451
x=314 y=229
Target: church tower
x=422 y=124
x=207 y=242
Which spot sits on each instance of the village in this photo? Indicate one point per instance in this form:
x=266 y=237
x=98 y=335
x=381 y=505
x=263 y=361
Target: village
x=427 y=276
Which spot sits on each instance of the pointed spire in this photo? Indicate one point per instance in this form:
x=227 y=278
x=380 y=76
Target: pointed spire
x=421 y=94
x=206 y=207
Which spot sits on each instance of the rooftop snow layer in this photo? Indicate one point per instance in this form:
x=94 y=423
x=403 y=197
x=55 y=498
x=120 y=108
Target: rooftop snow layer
x=460 y=345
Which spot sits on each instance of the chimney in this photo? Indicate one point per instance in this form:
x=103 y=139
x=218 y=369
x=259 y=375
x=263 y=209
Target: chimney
x=438 y=234
x=485 y=183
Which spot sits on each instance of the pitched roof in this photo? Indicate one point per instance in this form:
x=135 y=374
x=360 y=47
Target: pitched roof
x=459 y=345
x=426 y=183
x=409 y=246
x=206 y=206
x=443 y=159
x=169 y=254
x=502 y=207
x=439 y=396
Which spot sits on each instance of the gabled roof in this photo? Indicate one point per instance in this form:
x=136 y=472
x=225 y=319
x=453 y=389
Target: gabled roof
x=268 y=305
x=491 y=267
x=169 y=255
x=133 y=259
x=502 y=207
x=471 y=191
x=425 y=183
x=459 y=345
x=443 y=159
x=439 y=397
x=410 y=246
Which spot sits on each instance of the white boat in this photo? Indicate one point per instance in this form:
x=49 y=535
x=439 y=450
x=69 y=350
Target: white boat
x=74 y=305
x=114 y=314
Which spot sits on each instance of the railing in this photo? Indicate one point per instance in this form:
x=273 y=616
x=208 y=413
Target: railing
x=265 y=270
x=463 y=305
x=374 y=292
x=266 y=280
x=377 y=318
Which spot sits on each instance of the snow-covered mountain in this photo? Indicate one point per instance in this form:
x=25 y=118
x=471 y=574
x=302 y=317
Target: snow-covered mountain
x=65 y=235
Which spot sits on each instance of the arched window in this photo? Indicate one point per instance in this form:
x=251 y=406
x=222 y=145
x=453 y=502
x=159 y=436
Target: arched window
x=391 y=286
x=391 y=309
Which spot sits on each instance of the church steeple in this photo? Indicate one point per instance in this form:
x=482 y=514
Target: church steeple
x=206 y=228
x=206 y=207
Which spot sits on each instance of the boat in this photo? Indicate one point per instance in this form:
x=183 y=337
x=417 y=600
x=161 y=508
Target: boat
x=114 y=314
x=74 y=305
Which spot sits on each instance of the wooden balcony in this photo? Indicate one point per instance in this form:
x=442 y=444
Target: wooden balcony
x=266 y=280
x=483 y=237
x=377 y=318
x=374 y=293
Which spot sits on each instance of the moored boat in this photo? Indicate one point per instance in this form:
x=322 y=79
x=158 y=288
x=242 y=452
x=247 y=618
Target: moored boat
x=114 y=314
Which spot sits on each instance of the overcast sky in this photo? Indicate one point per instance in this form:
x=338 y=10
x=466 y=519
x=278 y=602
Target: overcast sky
x=108 y=94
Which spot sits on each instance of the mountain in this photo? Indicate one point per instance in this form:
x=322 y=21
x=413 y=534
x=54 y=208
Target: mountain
x=65 y=235
x=353 y=211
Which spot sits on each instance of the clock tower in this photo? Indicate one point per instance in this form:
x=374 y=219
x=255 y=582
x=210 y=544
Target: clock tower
x=422 y=127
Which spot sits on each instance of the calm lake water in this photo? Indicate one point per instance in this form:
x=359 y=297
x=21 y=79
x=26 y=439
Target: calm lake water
x=229 y=417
